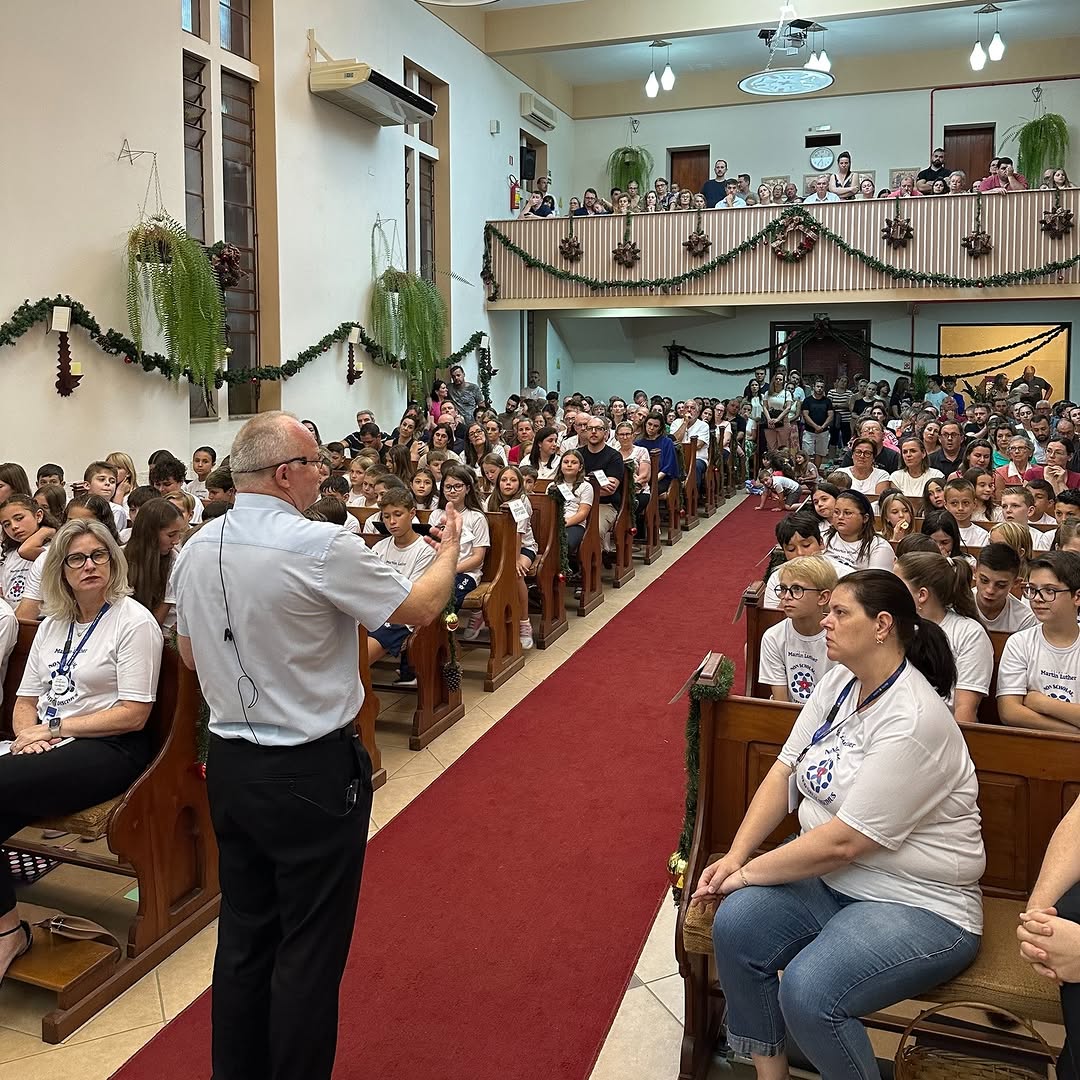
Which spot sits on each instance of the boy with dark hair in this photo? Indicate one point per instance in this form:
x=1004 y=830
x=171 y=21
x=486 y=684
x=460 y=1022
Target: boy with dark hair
x=219 y=486
x=996 y=573
x=50 y=474
x=1067 y=506
x=960 y=502
x=100 y=478
x=1039 y=674
x=338 y=461
x=1042 y=492
x=796 y=536
x=409 y=554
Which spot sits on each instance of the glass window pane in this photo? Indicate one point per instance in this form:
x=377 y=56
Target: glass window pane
x=194 y=218
x=235 y=26
x=191 y=17
x=238 y=186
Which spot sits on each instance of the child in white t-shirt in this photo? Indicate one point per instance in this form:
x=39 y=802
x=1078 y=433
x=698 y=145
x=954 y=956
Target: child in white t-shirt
x=410 y=555
x=995 y=575
x=1039 y=673
x=27 y=529
x=960 y=502
x=781 y=489
x=793 y=654
x=1018 y=504
x=357 y=495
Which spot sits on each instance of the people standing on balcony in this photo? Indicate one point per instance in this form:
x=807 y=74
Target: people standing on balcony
x=791 y=193
x=633 y=192
x=1004 y=179
x=1059 y=179
x=939 y=188
x=957 y=183
x=842 y=182
x=573 y=206
x=937 y=170
x=744 y=185
x=685 y=200
x=621 y=204
x=714 y=190
x=699 y=202
x=660 y=189
x=764 y=195
x=650 y=204
x=821 y=193
x=777 y=406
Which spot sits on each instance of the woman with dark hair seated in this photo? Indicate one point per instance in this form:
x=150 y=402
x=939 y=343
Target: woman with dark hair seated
x=877 y=900
x=86 y=692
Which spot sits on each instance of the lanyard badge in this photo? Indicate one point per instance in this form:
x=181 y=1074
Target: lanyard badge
x=62 y=683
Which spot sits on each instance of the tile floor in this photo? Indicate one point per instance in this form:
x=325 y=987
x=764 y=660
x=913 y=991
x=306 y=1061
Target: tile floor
x=644 y=1040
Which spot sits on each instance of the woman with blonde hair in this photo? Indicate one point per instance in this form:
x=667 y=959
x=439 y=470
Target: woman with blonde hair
x=81 y=708
x=126 y=480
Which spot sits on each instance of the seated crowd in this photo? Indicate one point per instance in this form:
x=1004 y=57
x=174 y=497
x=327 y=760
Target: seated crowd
x=919 y=576
x=725 y=191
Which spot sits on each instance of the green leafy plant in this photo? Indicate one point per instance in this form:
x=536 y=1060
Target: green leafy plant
x=1041 y=143
x=407 y=316
x=920 y=383
x=629 y=163
x=170 y=275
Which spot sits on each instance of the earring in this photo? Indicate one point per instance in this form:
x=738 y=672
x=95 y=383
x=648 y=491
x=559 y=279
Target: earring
x=880 y=640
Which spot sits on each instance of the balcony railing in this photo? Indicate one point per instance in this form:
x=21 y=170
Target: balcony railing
x=524 y=267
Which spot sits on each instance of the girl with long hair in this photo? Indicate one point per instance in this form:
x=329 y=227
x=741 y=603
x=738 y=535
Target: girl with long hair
x=151 y=557
x=982 y=480
x=544 y=453
x=510 y=491
x=933 y=494
x=13 y=481
x=489 y=472
x=942 y=591
x=852 y=543
x=399 y=462
x=27 y=529
x=942 y=528
x=458 y=489
x=423 y=486
x=577 y=495
x=897 y=516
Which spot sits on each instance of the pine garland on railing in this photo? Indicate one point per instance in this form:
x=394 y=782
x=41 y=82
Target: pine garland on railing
x=699 y=692
x=766 y=235
x=28 y=315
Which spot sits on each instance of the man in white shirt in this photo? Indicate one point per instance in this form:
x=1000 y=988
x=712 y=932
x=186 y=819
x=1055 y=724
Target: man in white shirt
x=534 y=391
x=696 y=428
x=267 y=609
x=995 y=575
x=821 y=192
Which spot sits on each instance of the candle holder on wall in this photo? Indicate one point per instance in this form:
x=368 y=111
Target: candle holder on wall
x=355 y=370
x=68 y=373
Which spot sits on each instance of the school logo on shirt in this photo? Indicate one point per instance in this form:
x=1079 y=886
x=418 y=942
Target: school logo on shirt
x=801 y=684
x=1057 y=685
x=61 y=689
x=819 y=776
x=16 y=587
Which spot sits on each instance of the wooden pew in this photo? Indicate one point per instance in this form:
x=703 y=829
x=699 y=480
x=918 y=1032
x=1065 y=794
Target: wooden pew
x=1027 y=783
x=649 y=548
x=158 y=832
x=690 y=489
x=497 y=597
x=713 y=495
x=672 y=510
x=590 y=558
x=437 y=706
x=547 y=571
x=369 y=710
x=624 y=529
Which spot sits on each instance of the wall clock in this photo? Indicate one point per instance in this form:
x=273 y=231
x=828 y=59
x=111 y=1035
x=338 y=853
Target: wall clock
x=822 y=158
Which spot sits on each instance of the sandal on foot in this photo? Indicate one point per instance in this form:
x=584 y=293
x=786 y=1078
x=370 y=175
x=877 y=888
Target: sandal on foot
x=24 y=926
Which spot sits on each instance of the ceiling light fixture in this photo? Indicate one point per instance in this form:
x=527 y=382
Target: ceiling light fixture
x=652 y=85
x=977 y=59
x=996 y=49
x=667 y=80
x=788 y=38
x=458 y=3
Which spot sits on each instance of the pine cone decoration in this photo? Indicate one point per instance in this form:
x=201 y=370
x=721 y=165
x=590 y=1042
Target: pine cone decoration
x=977 y=243
x=570 y=248
x=1057 y=222
x=451 y=674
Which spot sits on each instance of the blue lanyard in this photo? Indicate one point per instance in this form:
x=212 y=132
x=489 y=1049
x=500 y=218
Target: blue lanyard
x=65 y=664
x=827 y=728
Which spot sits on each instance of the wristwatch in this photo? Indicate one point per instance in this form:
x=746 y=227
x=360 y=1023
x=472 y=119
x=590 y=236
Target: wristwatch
x=54 y=726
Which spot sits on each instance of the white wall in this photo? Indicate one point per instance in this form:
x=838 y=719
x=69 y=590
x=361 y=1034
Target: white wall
x=106 y=72
x=880 y=131
x=86 y=81
x=890 y=324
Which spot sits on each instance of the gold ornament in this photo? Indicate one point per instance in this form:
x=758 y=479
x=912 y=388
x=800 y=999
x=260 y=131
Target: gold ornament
x=451 y=621
x=677 y=867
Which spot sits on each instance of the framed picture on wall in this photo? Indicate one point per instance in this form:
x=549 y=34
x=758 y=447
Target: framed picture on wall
x=895 y=175
x=772 y=181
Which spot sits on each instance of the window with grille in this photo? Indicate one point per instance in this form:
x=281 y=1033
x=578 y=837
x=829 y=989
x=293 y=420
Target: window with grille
x=195 y=146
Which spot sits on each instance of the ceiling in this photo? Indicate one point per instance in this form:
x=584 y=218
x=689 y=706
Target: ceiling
x=741 y=49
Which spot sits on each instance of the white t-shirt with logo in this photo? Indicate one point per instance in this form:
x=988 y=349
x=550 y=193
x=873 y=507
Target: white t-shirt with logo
x=771 y=602
x=121 y=661
x=1015 y=615
x=840 y=552
x=575 y=501
x=973 y=652
x=899 y=772
x=14 y=570
x=410 y=562
x=1030 y=662
x=793 y=661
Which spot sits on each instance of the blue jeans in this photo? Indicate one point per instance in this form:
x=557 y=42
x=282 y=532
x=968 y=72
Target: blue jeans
x=841 y=959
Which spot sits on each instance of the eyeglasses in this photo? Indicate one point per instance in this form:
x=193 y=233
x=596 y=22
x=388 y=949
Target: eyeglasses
x=453 y=489
x=1046 y=594
x=278 y=464
x=862 y=453
x=77 y=559
x=794 y=591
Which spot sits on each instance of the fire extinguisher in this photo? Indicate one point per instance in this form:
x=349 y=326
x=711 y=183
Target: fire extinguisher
x=515 y=193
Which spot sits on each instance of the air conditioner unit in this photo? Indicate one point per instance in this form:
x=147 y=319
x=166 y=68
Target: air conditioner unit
x=362 y=90
x=538 y=112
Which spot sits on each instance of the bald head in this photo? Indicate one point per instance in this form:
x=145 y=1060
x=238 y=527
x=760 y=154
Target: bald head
x=270 y=456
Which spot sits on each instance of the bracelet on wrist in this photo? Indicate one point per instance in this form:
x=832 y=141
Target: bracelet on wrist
x=742 y=876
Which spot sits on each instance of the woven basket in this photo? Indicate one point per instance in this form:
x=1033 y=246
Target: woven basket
x=933 y=1063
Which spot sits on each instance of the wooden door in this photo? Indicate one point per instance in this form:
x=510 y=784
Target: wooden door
x=690 y=168
x=970 y=147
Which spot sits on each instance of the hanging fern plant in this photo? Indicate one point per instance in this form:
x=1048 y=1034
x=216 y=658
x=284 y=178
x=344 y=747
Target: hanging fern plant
x=628 y=163
x=406 y=317
x=170 y=274
x=1041 y=142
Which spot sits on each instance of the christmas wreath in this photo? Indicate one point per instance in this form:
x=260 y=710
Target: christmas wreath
x=804 y=234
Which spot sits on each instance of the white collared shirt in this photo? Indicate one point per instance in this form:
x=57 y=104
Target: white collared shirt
x=296 y=591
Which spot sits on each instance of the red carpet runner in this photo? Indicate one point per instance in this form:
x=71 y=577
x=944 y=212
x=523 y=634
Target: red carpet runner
x=503 y=911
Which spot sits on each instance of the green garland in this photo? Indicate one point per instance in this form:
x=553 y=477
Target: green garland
x=485 y=372
x=768 y=234
x=699 y=692
x=28 y=315
x=560 y=528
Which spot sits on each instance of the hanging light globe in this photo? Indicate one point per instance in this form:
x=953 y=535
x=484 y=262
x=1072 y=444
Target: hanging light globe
x=652 y=85
x=977 y=59
x=996 y=49
x=667 y=80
